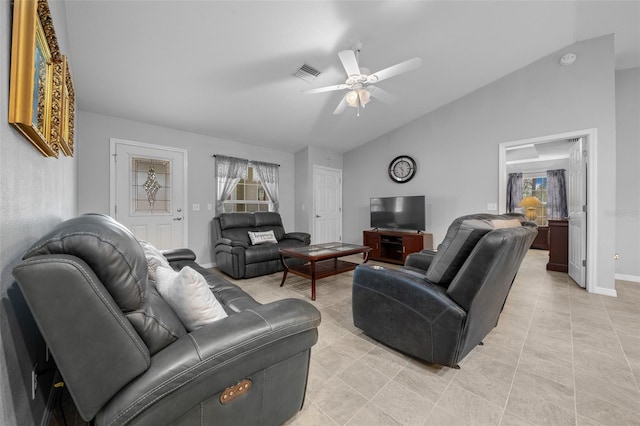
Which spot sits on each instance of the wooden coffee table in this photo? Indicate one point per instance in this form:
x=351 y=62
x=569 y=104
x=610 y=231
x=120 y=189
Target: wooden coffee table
x=321 y=261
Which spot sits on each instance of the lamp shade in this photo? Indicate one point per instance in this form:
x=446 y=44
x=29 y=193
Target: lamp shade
x=530 y=202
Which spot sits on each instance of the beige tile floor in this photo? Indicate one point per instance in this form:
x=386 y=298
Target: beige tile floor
x=559 y=355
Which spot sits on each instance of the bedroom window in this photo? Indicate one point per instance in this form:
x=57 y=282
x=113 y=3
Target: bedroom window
x=248 y=196
x=537 y=186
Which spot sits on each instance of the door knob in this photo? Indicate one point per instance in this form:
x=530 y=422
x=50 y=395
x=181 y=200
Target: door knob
x=177 y=218
x=318 y=215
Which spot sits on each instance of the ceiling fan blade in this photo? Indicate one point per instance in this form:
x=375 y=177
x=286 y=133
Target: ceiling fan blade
x=349 y=62
x=341 y=106
x=325 y=89
x=381 y=94
x=394 y=70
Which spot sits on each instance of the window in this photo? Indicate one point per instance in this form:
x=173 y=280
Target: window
x=247 y=196
x=150 y=186
x=537 y=186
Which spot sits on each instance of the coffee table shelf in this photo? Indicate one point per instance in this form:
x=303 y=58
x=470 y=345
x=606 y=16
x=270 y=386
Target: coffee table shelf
x=321 y=261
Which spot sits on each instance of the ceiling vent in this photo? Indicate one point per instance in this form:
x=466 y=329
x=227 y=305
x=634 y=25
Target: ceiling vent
x=307 y=73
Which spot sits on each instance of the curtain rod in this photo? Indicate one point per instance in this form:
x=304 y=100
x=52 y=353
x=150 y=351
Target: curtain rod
x=215 y=155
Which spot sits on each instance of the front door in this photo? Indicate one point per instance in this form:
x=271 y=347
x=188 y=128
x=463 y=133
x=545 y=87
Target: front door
x=327 y=189
x=577 y=202
x=147 y=192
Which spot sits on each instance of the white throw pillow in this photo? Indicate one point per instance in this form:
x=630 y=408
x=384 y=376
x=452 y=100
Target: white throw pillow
x=188 y=294
x=506 y=223
x=155 y=259
x=262 y=237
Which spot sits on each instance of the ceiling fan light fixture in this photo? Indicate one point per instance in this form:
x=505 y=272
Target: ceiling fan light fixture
x=357 y=96
x=352 y=98
x=364 y=96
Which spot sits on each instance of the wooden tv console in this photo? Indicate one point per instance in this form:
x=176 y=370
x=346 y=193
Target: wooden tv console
x=395 y=246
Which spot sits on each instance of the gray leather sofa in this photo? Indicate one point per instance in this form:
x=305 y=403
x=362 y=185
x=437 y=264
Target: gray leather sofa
x=441 y=305
x=236 y=256
x=126 y=358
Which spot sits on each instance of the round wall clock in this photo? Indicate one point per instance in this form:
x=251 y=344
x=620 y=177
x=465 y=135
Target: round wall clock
x=402 y=169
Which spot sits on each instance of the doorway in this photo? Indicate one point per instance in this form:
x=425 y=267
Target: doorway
x=147 y=192
x=327 y=205
x=581 y=230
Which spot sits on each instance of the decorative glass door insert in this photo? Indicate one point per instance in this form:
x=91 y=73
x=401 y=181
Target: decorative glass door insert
x=150 y=186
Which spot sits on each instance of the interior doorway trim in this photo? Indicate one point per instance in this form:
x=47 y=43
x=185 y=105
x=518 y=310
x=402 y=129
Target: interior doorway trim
x=590 y=137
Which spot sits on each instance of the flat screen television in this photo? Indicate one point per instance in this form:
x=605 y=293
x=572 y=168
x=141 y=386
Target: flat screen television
x=406 y=213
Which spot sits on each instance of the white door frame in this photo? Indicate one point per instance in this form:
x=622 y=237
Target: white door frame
x=591 y=144
x=112 y=179
x=314 y=207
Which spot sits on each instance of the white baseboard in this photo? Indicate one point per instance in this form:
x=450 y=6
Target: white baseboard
x=632 y=278
x=208 y=265
x=605 y=291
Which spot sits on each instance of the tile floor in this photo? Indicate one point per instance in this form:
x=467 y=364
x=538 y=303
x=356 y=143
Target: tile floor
x=559 y=356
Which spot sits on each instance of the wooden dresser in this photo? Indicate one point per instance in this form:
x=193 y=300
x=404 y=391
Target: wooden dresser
x=558 y=245
x=542 y=239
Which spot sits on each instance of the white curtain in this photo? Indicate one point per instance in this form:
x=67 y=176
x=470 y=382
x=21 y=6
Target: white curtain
x=229 y=171
x=269 y=175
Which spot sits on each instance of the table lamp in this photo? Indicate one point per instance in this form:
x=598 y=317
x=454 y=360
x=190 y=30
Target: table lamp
x=530 y=204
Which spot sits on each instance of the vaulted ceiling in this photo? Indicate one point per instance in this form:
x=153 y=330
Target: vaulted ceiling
x=224 y=68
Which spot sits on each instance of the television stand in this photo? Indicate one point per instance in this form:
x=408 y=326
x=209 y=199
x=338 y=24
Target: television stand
x=395 y=246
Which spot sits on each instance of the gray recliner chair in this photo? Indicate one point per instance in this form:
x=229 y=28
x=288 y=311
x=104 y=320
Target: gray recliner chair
x=441 y=305
x=125 y=356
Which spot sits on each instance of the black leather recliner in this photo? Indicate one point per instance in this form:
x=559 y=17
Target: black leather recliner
x=125 y=356
x=236 y=256
x=442 y=304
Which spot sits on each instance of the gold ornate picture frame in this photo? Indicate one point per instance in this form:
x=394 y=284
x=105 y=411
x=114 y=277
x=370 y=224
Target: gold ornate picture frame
x=62 y=106
x=33 y=52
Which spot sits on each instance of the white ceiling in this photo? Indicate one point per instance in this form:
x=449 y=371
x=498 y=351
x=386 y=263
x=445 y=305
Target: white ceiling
x=224 y=68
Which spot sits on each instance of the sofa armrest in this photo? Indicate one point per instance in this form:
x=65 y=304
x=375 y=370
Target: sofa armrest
x=406 y=287
x=83 y=327
x=202 y=364
x=421 y=260
x=301 y=236
x=231 y=243
x=174 y=255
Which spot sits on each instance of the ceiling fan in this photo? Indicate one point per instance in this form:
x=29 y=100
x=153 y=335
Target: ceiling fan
x=360 y=82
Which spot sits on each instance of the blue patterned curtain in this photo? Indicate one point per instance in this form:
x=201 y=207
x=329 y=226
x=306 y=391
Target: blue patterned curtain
x=556 y=195
x=514 y=191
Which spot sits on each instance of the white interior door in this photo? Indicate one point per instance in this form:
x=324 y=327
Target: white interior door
x=327 y=192
x=577 y=202
x=148 y=192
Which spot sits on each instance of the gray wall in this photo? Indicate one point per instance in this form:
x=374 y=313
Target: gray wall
x=456 y=146
x=627 y=212
x=37 y=193
x=96 y=132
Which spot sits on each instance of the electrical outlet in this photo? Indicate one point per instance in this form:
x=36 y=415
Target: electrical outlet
x=196 y=207
x=34 y=381
x=492 y=207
